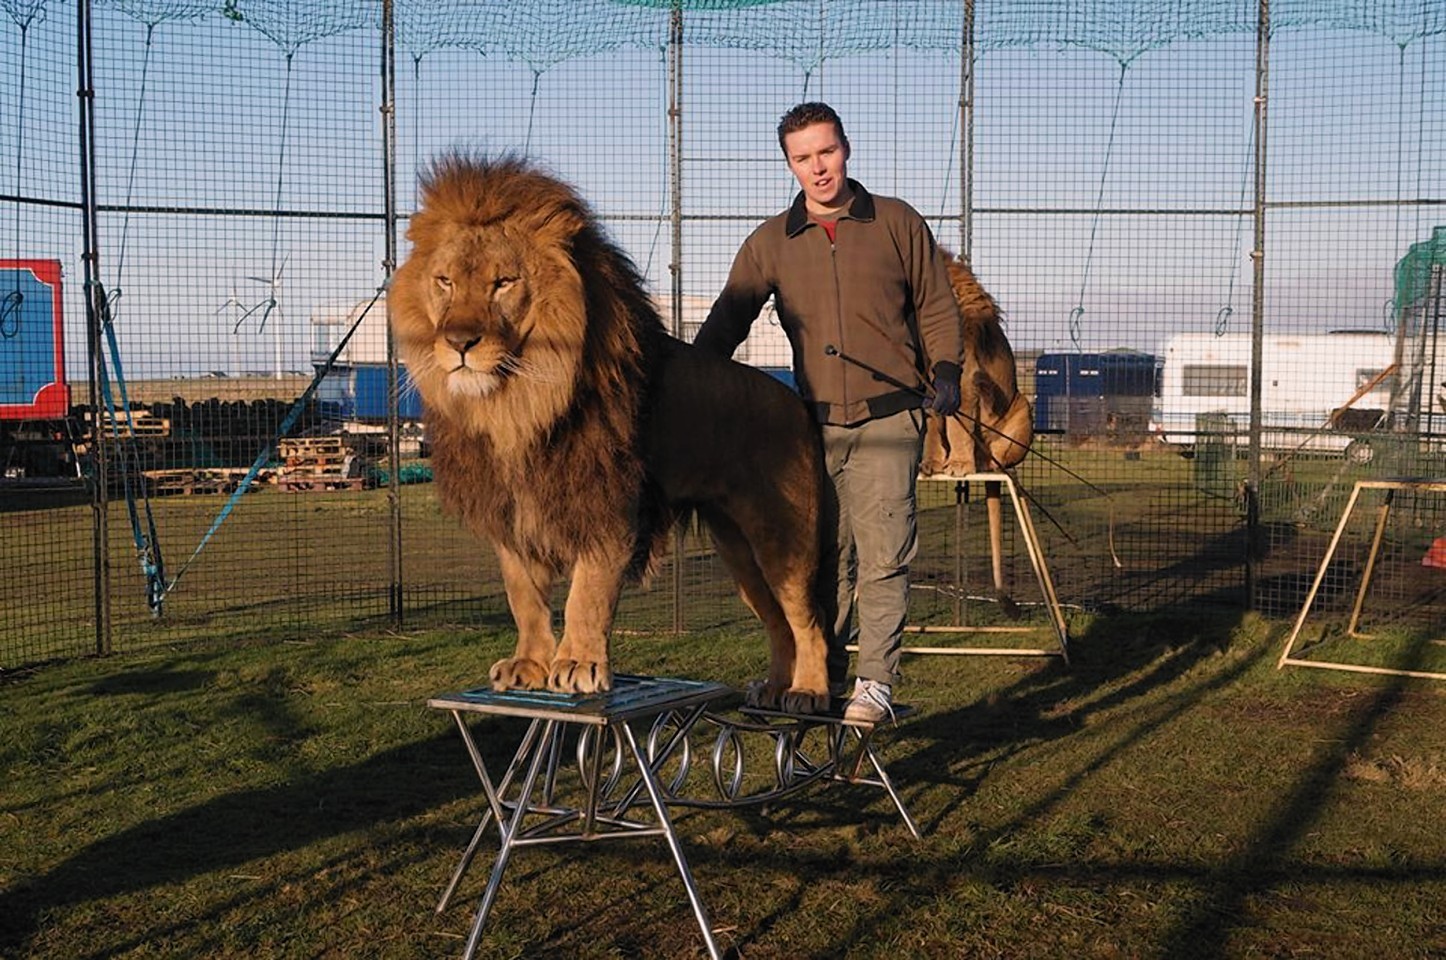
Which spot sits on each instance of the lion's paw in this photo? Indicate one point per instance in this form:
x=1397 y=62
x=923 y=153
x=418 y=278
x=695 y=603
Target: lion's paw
x=769 y=696
x=804 y=701
x=580 y=676
x=931 y=468
x=957 y=468
x=515 y=673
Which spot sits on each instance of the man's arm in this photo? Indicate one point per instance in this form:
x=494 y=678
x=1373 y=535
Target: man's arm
x=940 y=325
x=736 y=308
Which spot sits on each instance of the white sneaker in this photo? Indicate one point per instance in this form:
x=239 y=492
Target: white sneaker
x=872 y=702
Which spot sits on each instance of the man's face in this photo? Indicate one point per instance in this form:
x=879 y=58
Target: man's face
x=819 y=160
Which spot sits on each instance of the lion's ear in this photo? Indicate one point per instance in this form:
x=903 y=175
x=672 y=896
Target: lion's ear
x=561 y=224
x=423 y=227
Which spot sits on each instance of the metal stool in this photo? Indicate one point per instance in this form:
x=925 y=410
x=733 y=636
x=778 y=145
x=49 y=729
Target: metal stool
x=599 y=817
x=1035 y=551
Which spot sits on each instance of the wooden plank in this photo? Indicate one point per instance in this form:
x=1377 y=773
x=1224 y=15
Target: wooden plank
x=297 y=484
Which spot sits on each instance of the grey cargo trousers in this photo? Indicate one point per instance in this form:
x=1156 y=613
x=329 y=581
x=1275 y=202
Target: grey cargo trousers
x=873 y=467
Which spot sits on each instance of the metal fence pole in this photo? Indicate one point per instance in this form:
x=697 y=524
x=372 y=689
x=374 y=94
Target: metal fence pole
x=389 y=265
x=675 y=265
x=1257 y=305
x=966 y=135
x=94 y=335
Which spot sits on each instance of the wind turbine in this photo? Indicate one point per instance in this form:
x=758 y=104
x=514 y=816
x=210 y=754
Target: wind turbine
x=268 y=306
x=233 y=301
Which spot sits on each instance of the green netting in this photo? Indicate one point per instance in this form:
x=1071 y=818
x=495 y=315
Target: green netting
x=153 y=14
x=1415 y=269
x=541 y=33
x=23 y=14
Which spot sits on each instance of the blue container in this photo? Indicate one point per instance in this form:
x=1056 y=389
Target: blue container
x=783 y=375
x=1080 y=392
x=371 y=394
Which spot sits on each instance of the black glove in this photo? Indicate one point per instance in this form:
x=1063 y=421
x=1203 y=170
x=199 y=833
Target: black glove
x=945 y=401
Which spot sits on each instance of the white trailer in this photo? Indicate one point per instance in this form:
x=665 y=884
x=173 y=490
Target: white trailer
x=1306 y=380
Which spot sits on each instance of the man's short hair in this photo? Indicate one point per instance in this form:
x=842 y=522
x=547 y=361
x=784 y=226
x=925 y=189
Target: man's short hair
x=806 y=115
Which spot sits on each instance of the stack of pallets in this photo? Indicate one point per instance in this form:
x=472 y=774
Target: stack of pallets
x=194 y=480
x=318 y=463
x=140 y=423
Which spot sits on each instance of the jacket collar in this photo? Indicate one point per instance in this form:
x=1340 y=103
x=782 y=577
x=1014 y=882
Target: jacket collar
x=860 y=208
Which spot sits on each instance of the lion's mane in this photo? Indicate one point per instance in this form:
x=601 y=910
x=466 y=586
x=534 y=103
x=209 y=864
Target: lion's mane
x=998 y=433
x=548 y=463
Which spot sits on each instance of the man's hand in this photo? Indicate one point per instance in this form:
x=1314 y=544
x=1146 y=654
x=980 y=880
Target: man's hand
x=945 y=401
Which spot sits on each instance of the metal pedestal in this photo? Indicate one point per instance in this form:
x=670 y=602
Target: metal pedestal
x=1383 y=512
x=850 y=744
x=624 y=790
x=1035 y=551
x=526 y=813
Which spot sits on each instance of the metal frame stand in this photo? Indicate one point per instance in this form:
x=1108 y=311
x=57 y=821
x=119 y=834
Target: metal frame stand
x=631 y=698
x=525 y=804
x=1391 y=486
x=1037 y=560
x=843 y=765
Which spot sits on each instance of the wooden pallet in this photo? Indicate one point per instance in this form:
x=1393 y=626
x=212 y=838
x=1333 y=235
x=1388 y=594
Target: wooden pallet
x=317 y=463
x=318 y=482
x=140 y=424
x=311 y=448
x=197 y=480
x=320 y=466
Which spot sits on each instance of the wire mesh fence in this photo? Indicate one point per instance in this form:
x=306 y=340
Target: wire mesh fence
x=1215 y=230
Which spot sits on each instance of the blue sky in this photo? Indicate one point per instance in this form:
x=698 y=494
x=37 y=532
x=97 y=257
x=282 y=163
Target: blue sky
x=196 y=123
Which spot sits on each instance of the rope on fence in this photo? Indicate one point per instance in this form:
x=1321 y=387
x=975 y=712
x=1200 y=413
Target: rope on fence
x=269 y=448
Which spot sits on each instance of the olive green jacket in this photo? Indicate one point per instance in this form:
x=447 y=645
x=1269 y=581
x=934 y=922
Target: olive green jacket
x=869 y=315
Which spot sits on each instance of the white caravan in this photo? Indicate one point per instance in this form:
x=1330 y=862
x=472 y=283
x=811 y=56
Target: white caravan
x=1305 y=379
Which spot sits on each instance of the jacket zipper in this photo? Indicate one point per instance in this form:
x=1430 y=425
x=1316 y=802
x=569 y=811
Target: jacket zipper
x=838 y=320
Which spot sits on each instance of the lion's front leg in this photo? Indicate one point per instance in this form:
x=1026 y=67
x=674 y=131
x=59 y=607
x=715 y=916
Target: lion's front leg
x=936 y=445
x=581 y=664
x=965 y=431
x=963 y=448
x=529 y=585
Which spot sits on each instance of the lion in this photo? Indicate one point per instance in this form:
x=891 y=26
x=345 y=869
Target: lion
x=572 y=432
x=997 y=434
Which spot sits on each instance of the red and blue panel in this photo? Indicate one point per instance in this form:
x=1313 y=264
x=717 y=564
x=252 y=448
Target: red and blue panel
x=32 y=342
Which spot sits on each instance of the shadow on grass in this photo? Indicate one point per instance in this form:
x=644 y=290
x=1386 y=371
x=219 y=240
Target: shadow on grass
x=243 y=826
x=1117 y=661
x=1026 y=714
x=1205 y=929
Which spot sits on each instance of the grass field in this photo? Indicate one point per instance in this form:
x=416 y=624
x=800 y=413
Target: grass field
x=1169 y=794
x=1134 y=534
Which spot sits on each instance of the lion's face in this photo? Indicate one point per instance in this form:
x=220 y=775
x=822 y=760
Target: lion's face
x=477 y=308
x=488 y=314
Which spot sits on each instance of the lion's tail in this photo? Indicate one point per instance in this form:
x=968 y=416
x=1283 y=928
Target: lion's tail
x=655 y=536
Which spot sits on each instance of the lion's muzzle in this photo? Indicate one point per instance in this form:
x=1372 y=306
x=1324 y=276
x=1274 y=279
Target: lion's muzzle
x=474 y=366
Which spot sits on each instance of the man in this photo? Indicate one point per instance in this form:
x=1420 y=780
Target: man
x=862 y=292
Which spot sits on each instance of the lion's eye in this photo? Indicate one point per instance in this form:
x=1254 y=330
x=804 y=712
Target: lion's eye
x=443 y=281
x=503 y=284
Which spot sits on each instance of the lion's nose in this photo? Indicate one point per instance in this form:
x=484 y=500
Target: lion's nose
x=462 y=342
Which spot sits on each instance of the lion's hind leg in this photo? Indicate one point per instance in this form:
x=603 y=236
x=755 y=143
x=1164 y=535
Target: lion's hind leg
x=737 y=556
x=797 y=680
x=528 y=585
